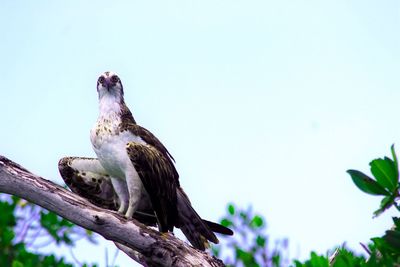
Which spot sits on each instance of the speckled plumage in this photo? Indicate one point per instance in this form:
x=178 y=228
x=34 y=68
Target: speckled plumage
x=139 y=167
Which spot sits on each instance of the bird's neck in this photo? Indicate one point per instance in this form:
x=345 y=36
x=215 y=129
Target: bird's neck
x=113 y=107
x=110 y=106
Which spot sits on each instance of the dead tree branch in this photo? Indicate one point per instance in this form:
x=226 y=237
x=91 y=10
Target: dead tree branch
x=141 y=243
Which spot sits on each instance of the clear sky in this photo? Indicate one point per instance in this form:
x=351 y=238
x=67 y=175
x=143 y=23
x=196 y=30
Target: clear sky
x=265 y=103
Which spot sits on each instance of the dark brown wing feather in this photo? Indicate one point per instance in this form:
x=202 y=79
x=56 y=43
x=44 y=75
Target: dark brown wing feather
x=149 y=138
x=128 y=123
x=158 y=176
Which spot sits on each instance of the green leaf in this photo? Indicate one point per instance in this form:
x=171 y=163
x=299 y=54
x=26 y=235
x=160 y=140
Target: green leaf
x=226 y=222
x=243 y=215
x=385 y=173
x=382 y=245
x=257 y=221
x=276 y=259
x=16 y=263
x=396 y=221
x=260 y=240
x=67 y=239
x=246 y=257
x=392 y=237
x=7 y=237
x=346 y=258
x=386 y=203
x=314 y=261
x=231 y=209
x=7 y=217
x=367 y=184
x=319 y=261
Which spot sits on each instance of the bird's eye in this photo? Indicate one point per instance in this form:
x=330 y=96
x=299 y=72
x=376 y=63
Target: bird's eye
x=101 y=79
x=114 y=79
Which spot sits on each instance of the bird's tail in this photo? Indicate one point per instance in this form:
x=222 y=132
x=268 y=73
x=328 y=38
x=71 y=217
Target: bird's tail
x=197 y=231
x=218 y=228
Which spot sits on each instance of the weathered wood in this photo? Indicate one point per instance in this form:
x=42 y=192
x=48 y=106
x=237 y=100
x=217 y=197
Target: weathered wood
x=141 y=243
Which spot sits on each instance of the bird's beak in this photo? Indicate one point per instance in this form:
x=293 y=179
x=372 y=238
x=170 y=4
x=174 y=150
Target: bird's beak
x=107 y=84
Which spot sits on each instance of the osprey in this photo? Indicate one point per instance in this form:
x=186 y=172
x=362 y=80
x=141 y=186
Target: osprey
x=134 y=172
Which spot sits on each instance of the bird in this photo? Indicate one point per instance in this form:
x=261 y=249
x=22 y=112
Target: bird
x=134 y=173
x=87 y=178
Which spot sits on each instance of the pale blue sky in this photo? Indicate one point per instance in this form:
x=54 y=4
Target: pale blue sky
x=260 y=102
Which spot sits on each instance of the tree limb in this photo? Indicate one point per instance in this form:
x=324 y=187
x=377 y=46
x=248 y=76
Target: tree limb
x=143 y=244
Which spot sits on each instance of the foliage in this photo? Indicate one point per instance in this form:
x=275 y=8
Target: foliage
x=385 y=250
x=382 y=251
x=25 y=227
x=386 y=182
x=250 y=245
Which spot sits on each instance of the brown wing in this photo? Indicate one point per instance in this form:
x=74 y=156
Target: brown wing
x=151 y=140
x=160 y=181
x=87 y=178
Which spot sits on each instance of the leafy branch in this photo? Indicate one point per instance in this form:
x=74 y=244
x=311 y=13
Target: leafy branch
x=385 y=181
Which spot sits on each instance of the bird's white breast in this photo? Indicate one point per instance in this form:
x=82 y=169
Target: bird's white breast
x=110 y=145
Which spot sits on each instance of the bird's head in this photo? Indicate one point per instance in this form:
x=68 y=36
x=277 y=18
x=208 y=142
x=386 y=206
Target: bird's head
x=109 y=84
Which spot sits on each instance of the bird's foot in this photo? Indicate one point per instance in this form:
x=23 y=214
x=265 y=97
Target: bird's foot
x=122 y=209
x=129 y=212
x=166 y=235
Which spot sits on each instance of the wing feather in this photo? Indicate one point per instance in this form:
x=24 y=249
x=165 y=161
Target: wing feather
x=149 y=138
x=159 y=179
x=87 y=178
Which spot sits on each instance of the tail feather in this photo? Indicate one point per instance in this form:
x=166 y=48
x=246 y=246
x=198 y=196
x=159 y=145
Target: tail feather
x=217 y=228
x=193 y=227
